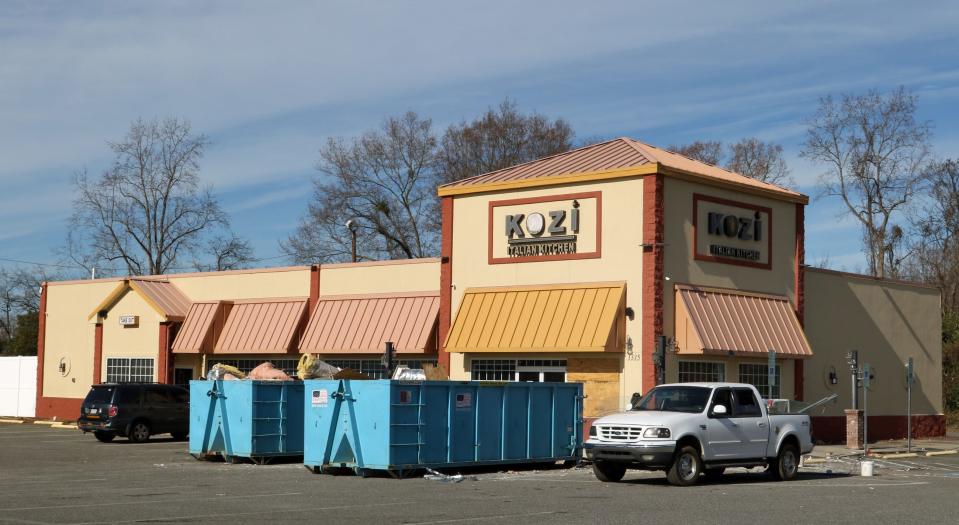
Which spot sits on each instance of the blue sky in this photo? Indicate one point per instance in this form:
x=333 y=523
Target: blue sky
x=269 y=82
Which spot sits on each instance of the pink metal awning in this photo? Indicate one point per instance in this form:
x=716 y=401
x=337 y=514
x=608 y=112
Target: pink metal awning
x=361 y=324
x=262 y=326
x=202 y=326
x=737 y=323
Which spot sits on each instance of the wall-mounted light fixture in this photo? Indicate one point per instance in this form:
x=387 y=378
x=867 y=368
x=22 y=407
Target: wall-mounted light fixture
x=630 y=314
x=833 y=378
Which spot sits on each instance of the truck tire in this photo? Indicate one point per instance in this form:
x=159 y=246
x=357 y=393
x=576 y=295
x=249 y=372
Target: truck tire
x=608 y=472
x=787 y=463
x=686 y=467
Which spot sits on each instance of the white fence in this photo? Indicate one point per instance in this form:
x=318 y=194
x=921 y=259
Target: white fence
x=18 y=386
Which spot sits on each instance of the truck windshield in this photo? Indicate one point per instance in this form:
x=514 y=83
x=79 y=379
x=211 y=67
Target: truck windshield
x=690 y=399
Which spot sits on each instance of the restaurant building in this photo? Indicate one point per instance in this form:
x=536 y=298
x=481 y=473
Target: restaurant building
x=619 y=265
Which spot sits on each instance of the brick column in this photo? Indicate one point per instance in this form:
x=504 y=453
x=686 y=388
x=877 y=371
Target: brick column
x=98 y=354
x=854 y=429
x=653 y=288
x=446 y=282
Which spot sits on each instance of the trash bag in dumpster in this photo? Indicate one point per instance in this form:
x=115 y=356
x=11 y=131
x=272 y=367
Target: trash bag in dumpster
x=311 y=367
x=269 y=372
x=404 y=373
x=221 y=371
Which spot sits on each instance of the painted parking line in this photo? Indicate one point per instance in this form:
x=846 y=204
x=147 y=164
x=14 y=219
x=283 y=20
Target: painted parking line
x=484 y=518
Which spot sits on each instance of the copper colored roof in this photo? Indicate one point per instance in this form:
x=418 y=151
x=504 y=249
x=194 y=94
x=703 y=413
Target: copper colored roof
x=363 y=323
x=202 y=325
x=262 y=326
x=616 y=158
x=728 y=322
x=554 y=318
x=162 y=295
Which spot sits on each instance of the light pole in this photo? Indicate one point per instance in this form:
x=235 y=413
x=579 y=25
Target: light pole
x=351 y=225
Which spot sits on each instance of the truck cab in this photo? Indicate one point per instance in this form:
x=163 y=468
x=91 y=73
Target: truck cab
x=691 y=430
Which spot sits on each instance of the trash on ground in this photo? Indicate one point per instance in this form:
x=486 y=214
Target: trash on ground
x=445 y=478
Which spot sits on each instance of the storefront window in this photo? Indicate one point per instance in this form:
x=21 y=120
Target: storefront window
x=701 y=372
x=757 y=375
x=288 y=366
x=534 y=370
x=129 y=370
x=374 y=368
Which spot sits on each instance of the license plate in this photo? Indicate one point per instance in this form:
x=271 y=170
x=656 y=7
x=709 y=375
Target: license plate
x=93 y=416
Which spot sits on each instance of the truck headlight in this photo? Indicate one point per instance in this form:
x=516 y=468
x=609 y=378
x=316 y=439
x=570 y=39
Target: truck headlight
x=656 y=432
x=592 y=431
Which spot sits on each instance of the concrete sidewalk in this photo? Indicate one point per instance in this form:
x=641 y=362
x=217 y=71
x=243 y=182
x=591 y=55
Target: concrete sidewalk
x=949 y=444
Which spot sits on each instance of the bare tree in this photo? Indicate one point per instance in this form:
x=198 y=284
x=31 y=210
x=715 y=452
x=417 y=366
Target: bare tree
x=874 y=151
x=500 y=138
x=936 y=234
x=148 y=210
x=19 y=304
x=383 y=180
x=708 y=151
x=227 y=252
x=759 y=160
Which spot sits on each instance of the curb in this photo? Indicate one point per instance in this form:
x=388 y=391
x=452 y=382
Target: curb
x=64 y=425
x=11 y=421
x=46 y=422
x=942 y=452
x=895 y=456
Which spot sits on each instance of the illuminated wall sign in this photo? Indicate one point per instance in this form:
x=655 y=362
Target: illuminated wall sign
x=548 y=228
x=732 y=232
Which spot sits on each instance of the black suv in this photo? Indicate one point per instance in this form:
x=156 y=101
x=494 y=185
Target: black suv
x=135 y=410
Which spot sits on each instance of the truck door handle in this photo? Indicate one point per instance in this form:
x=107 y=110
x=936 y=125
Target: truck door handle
x=761 y=424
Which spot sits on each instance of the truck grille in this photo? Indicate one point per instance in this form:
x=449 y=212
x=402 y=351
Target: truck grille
x=622 y=433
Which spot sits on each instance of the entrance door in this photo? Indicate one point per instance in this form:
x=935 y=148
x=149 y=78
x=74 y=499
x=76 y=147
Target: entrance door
x=182 y=376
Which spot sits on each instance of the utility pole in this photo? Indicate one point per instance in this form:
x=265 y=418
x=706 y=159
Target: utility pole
x=351 y=225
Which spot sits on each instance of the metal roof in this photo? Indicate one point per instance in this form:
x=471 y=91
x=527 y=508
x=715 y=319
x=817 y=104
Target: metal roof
x=620 y=157
x=363 y=323
x=262 y=326
x=729 y=322
x=203 y=323
x=163 y=296
x=554 y=318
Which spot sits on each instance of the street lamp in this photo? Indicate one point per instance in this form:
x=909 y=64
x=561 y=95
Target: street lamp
x=351 y=225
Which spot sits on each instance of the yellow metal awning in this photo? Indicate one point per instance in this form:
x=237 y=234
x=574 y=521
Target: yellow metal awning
x=556 y=318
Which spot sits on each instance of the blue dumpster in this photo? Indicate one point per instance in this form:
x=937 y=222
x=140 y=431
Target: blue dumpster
x=258 y=420
x=398 y=426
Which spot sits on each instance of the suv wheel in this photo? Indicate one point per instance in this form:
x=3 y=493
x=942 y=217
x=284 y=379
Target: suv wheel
x=139 y=432
x=608 y=472
x=686 y=467
x=104 y=437
x=787 y=463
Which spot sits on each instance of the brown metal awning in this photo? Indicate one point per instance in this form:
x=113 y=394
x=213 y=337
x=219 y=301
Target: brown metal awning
x=554 y=318
x=203 y=324
x=262 y=326
x=162 y=296
x=727 y=322
x=354 y=324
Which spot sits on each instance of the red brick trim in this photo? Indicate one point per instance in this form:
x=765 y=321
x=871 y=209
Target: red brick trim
x=598 y=195
x=653 y=286
x=164 y=356
x=446 y=280
x=98 y=353
x=832 y=429
x=41 y=341
x=800 y=290
x=59 y=408
x=314 y=286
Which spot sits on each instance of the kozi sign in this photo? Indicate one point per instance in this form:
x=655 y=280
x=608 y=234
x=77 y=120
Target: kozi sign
x=732 y=232
x=545 y=228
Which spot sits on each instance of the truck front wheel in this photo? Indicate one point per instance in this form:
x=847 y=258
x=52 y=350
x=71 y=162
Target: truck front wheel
x=608 y=472
x=686 y=467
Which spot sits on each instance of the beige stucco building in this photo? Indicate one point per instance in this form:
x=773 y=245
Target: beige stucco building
x=619 y=265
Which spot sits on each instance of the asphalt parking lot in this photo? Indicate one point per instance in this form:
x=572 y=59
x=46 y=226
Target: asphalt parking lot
x=62 y=476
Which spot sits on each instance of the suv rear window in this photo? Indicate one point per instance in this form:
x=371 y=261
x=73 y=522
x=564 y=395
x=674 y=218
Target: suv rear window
x=100 y=395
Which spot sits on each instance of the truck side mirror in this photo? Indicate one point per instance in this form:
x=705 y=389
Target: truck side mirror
x=635 y=399
x=719 y=410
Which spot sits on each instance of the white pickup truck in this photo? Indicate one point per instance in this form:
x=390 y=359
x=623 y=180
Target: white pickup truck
x=693 y=429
